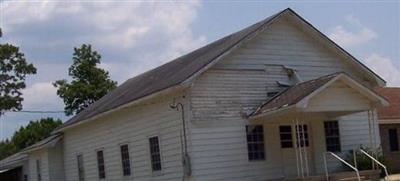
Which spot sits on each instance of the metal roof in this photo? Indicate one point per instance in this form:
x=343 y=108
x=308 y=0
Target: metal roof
x=172 y=73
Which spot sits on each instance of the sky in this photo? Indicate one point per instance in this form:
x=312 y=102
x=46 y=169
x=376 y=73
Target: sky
x=134 y=36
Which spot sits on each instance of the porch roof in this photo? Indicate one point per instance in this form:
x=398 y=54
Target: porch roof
x=12 y=162
x=299 y=95
x=47 y=142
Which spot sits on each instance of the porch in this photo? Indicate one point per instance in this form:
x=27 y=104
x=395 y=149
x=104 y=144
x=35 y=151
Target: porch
x=304 y=126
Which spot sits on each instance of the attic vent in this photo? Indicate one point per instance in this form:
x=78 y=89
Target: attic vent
x=271 y=94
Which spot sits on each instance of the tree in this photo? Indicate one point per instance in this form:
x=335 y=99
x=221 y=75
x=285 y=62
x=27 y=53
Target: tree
x=89 y=82
x=28 y=135
x=13 y=72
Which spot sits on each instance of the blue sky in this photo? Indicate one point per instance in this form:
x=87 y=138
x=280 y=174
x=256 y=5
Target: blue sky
x=133 y=36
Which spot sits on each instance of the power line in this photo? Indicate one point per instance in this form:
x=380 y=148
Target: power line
x=38 y=112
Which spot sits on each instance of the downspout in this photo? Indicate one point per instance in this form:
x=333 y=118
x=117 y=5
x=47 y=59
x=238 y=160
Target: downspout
x=187 y=171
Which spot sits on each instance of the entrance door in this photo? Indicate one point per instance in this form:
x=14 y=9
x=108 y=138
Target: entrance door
x=293 y=150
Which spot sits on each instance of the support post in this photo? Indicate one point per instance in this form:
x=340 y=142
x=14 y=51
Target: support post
x=297 y=144
x=302 y=125
x=297 y=154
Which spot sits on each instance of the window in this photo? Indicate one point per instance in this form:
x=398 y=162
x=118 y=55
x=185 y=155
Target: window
x=81 y=171
x=255 y=142
x=286 y=136
x=393 y=140
x=100 y=164
x=332 y=138
x=38 y=170
x=155 y=154
x=302 y=135
x=126 y=163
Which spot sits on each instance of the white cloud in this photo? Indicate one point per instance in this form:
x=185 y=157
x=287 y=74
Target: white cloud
x=384 y=67
x=141 y=33
x=350 y=38
x=41 y=96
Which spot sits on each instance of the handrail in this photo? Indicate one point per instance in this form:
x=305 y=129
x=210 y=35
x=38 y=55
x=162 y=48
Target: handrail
x=343 y=161
x=379 y=163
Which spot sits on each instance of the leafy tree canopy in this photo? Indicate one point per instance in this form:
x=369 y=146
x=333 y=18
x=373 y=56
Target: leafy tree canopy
x=28 y=135
x=13 y=72
x=89 y=82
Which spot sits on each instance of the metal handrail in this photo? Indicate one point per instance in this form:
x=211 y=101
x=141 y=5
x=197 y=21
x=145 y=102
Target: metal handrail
x=376 y=161
x=343 y=161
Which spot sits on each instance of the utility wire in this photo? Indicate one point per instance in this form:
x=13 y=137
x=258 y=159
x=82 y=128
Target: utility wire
x=38 y=112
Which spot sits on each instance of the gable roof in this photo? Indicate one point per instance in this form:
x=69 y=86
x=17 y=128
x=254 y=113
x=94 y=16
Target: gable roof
x=47 y=142
x=304 y=91
x=392 y=94
x=13 y=161
x=175 y=72
x=294 y=94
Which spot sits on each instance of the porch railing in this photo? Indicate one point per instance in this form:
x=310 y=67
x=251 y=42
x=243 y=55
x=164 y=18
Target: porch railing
x=376 y=161
x=341 y=160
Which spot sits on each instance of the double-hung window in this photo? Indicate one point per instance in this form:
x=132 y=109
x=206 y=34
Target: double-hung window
x=126 y=163
x=332 y=137
x=100 y=164
x=81 y=170
x=38 y=170
x=155 y=154
x=255 y=142
x=393 y=140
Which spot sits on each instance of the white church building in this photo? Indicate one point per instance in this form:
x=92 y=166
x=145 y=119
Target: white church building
x=277 y=100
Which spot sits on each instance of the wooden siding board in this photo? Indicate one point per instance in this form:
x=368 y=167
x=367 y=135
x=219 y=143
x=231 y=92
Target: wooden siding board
x=132 y=126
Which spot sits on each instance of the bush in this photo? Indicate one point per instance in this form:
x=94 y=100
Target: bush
x=363 y=161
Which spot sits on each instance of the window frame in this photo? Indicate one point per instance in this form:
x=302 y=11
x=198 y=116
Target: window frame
x=80 y=167
x=159 y=152
x=291 y=141
x=39 y=169
x=397 y=149
x=122 y=160
x=255 y=144
x=338 y=137
x=101 y=174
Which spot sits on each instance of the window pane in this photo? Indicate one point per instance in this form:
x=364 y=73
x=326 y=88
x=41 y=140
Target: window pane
x=126 y=163
x=393 y=140
x=100 y=165
x=255 y=142
x=155 y=153
x=332 y=137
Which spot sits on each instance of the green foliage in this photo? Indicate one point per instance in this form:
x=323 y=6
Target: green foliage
x=6 y=149
x=13 y=72
x=28 y=135
x=89 y=83
x=364 y=162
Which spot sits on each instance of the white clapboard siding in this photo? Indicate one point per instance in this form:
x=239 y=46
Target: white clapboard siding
x=132 y=126
x=41 y=155
x=338 y=97
x=239 y=83
x=56 y=163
